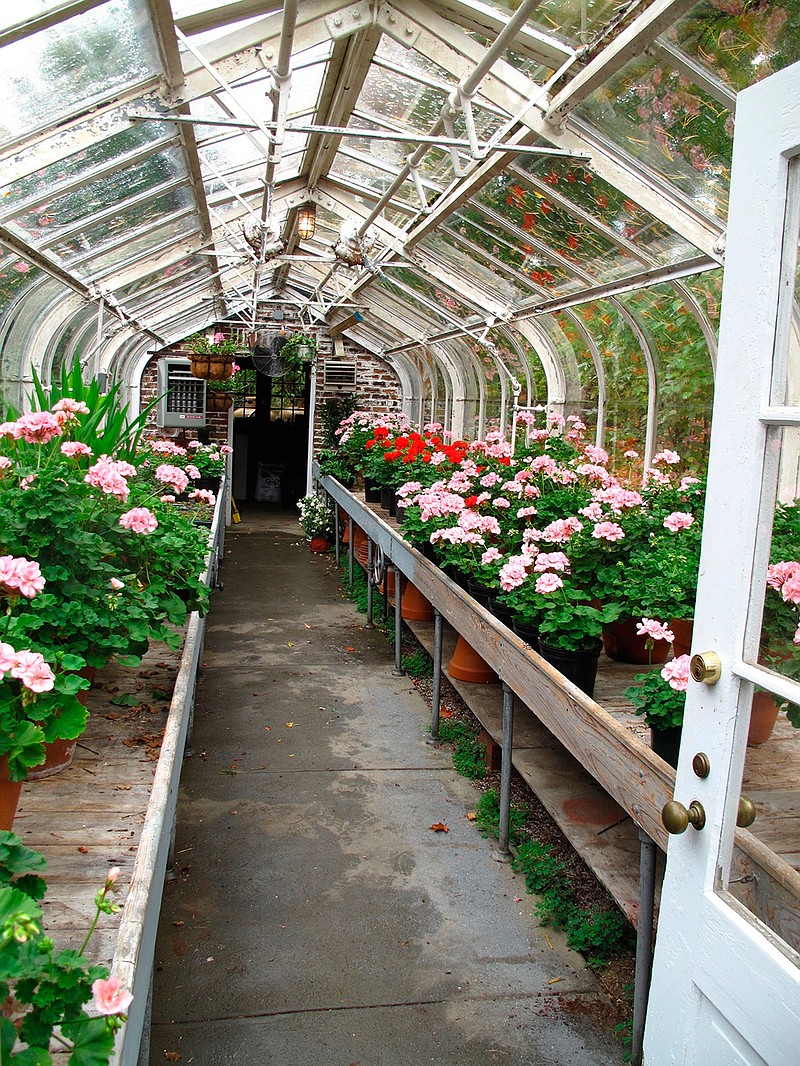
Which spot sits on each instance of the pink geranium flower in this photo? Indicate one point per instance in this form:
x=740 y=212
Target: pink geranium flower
x=34 y=673
x=71 y=448
x=39 y=427
x=8 y=658
x=139 y=520
x=678 y=520
x=609 y=531
x=547 y=583
x=654 y=629
x=172 y=476
x=676 y=673
x=109 y=998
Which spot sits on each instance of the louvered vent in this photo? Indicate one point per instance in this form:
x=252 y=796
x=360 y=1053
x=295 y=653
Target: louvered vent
x=340 y=375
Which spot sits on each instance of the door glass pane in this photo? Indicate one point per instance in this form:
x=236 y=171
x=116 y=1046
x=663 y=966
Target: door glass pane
x=772 y=638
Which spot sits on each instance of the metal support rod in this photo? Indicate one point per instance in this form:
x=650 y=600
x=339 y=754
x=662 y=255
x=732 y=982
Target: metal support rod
x=398 y=622
x=503 y=849
x=370 y=556
x=337 y=548
x=644 y=943
x=436 y=695
x=350 y=555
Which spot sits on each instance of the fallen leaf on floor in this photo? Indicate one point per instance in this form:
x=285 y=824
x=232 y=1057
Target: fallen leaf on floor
x=179 y=923
x=444 y=713
x=439 y=827
x=351 y=648
x=173 y=1056
x=83 y=850
x=518 y=899
x=471 y=816
x=306 y=625
x=555 y=980
x=122 y=788
x=549 y=941
x=290 y=644
x=289 y=725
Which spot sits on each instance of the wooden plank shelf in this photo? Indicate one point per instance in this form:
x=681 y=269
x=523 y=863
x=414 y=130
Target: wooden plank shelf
x=610 y=745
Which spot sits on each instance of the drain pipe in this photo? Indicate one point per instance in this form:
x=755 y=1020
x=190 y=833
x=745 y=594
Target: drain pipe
x=370 y=563
x=644 y=943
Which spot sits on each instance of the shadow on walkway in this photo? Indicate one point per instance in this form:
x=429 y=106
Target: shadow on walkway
x=315 y=919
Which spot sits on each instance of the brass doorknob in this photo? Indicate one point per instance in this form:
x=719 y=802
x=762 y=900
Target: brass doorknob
x=747 y=812
x=706 y=666
x=677 y=818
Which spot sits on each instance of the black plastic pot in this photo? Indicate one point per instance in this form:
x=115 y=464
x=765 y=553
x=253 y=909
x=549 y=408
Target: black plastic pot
x=478 y=592
x=529 y=633
x=372 y=491
x=579 y=667
x=503 y=613
x=666 y=743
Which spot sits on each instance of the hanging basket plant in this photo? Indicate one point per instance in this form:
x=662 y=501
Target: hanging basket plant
x=211 y=360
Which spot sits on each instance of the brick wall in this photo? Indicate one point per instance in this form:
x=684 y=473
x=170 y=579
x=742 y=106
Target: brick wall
x=377 y=385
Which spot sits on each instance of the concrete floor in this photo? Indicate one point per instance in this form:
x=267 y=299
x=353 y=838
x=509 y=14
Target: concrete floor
x=316 y=919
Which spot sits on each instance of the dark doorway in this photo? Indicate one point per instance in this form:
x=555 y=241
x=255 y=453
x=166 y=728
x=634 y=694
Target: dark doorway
x=270 y=437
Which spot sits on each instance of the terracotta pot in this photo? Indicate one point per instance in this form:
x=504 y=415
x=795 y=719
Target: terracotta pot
x=416 y=607
x=624 y=645
x=682 y=628
x=59 y=754
x=320 y=545
x=467 y=665
x=763 y=716
x=9 y=796
x=359 y=536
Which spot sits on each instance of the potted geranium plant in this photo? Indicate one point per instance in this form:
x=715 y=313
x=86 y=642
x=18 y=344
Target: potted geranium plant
x=659 y=697
x=45 y=990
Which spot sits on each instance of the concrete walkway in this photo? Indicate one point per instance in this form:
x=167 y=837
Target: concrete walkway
x=316 y=919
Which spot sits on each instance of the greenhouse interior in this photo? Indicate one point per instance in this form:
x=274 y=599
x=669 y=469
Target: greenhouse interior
x=478 y=318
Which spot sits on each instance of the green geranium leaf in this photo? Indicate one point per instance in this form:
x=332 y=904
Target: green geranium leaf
x=93 y=1042
x=125 y=699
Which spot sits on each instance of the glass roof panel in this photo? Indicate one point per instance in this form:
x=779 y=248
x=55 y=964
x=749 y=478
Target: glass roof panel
x=433 y=289
x=41 y=185
x=683 y=367
x=541 y=218
x=16 y=275
x=96 y=233
x=50 y=216
x=441 y=245
x=707 y=290
x=740 y=43
x=173 y=274
x=83 y=58
x=591 y=195
x=524 y=257
x=670 y=125
x=136 y=246
x=571 y=20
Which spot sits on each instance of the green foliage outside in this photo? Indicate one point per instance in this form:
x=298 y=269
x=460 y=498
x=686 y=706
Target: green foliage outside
x=598 y=934
x=469 y=756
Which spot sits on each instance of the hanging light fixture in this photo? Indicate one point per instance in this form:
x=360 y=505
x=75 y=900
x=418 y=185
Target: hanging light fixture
x=307 y=221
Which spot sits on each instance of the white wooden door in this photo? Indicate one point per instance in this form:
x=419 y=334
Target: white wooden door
x=726 y=987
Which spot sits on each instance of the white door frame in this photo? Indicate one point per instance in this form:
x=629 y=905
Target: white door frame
x=726 y=989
